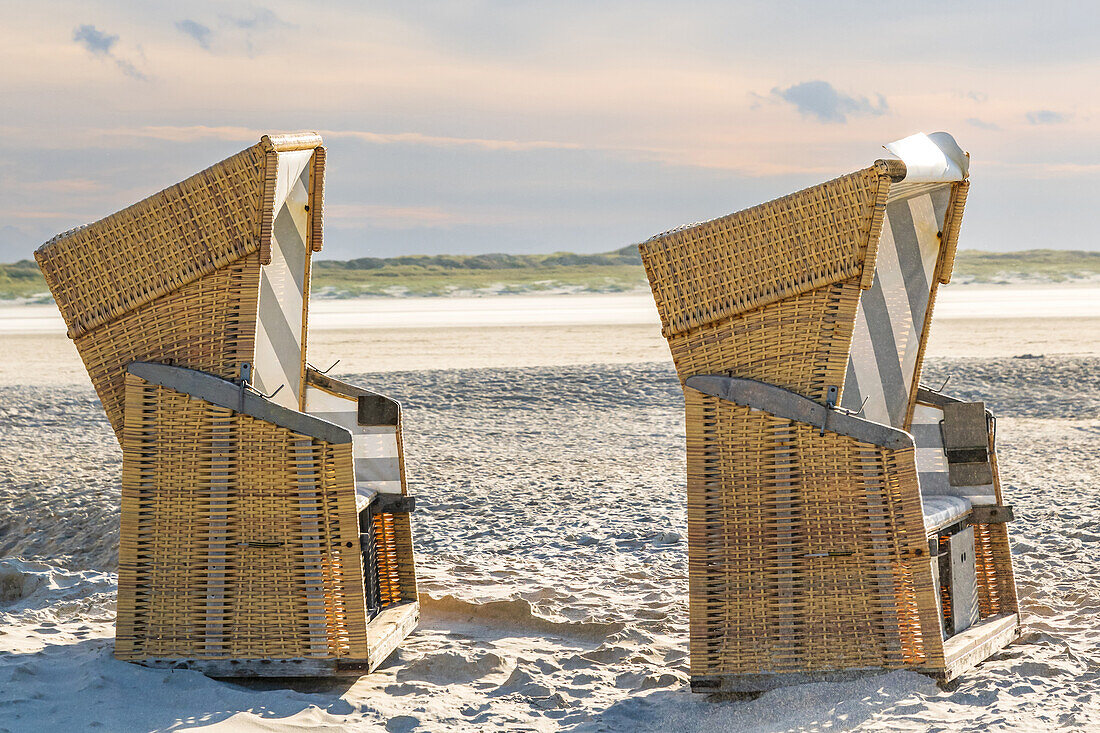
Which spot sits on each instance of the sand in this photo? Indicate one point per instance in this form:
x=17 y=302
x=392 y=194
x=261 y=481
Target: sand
x=548 y=466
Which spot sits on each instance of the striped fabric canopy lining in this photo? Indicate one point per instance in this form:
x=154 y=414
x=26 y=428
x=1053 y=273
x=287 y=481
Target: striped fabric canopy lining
x=280 y=327
x=889 y=322
x=888 y=330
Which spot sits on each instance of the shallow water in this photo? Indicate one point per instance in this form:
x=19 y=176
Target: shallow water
x=995 y=302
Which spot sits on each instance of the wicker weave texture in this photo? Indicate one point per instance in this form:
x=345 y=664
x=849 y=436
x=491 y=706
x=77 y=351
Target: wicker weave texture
x=239 y=538
x=109 y=268
x=806 y=552
x=712 y=271
x=209 y=325
x=952 y=227
x=396 y=575
x=101 y=271
x=800 y=343
x=993 y=557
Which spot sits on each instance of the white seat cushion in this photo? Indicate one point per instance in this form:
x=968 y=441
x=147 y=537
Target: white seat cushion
x=942 y=510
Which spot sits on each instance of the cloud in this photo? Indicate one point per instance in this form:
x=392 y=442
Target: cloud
x=249 y=28
x=819 y=99
x=197 y=31
x=982 y=124
x=261 y=19
x=94 y=40
x=1046 y=117
x=101 y=43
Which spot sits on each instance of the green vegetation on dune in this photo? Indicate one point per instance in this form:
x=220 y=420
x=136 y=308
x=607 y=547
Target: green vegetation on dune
x=1055 y=265
x=22 y=279
x=616 y=271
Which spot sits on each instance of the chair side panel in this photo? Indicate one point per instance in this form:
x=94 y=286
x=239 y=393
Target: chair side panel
x=996 y=583
x=806 y=552
x=208 y=325
x=239 y=538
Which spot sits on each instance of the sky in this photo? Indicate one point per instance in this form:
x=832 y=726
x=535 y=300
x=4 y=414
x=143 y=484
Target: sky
x=513 y=126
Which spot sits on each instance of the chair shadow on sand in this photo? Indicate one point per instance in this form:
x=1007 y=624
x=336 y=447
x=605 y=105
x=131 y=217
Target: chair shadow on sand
x=814 y=707
x=80 y=686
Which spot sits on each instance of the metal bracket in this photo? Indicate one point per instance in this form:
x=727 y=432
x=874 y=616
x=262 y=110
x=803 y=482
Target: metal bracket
x=326 y=371
x=853 y=413
x=991 y=514
x=830 y=404
x=269 y=396
x=245 y=382
x=392 y=504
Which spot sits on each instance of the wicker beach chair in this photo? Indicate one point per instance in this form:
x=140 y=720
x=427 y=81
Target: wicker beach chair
x=265 y=518
x=842 y=518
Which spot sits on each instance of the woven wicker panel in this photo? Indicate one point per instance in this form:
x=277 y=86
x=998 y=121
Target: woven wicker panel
x=712 y=271
x=389 y=573
x=800 y=343
x=317 y=200
x=406 y=565
x=951 y=229
x=239 y=539
x=806 y=552
x=993 y=558
x=990 y=555
x=209 y=325
x=119 y=263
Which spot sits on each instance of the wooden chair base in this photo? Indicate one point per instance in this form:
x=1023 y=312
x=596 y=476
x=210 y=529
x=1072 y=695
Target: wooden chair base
x=961 y=652
x=384 y=633
x=973 y=646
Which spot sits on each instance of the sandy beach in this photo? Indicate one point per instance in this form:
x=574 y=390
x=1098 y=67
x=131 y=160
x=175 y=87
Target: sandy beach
x=544 y=441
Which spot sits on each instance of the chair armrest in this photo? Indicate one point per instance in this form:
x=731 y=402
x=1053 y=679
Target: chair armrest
x=223 y=393
x=372 y=408
x=791 y=406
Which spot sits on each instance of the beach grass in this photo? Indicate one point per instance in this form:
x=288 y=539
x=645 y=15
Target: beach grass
x=616 y=271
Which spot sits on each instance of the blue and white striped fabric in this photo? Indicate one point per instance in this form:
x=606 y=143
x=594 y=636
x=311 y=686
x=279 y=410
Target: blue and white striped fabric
x=932 y=461
x=891 y=315
x=279 y=328
x=374 y=448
